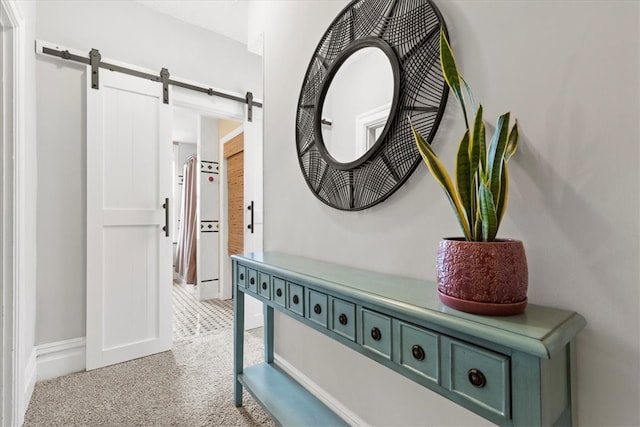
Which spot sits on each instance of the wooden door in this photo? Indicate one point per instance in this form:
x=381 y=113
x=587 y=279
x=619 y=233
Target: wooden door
x=234 y=155
x=128 y=203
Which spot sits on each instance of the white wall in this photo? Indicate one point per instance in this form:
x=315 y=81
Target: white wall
x=569 y=72
x=18 y=191
x=124 y=31
x=208 y=210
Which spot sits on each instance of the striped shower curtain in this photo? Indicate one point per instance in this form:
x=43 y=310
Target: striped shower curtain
x=186 y=249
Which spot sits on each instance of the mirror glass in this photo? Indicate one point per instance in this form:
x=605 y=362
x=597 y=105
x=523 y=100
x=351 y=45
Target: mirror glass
x=356 y=107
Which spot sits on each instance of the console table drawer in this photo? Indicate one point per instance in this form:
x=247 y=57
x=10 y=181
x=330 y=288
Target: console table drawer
x=418 y=350
x=264 y=285
x=343 y=320
x=480 y=376
x=252 y=283
x=376 y=332
x=295 y=298
x=279 y=291
x=241 y=275
x=317 y=307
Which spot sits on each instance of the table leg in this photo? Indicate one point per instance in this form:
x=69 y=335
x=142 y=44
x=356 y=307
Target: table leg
x=268 y=334
x=238 y=344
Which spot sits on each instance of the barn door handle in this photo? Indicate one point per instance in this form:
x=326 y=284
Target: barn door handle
x=250 y=226
x=165 y=206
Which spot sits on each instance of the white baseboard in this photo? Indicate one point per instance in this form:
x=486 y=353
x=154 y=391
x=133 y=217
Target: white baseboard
x=61 y=358
x=333 y=404
x=29 y=384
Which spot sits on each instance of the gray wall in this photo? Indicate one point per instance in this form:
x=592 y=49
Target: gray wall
x=574 y=192
x=125 y=31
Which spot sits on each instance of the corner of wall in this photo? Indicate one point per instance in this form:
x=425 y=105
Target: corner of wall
x=61 y=358
x=29 y=381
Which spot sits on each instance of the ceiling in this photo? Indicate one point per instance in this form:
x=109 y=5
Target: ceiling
x=226 y=17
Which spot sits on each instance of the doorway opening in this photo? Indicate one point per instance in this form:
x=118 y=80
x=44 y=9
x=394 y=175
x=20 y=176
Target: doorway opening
x=200 y=229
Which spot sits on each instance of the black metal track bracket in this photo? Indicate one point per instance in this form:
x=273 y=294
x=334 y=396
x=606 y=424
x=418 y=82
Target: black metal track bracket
x=164 y=78
x=94 y=61
x=249 y=99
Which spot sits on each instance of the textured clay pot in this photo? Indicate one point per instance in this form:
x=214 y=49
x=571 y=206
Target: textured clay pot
x=488 y=278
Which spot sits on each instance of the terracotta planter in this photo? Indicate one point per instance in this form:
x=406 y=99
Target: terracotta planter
x=483 y=277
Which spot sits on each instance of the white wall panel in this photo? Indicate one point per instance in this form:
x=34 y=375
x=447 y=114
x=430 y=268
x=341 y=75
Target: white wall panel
x=130 y=159
x=130 y=308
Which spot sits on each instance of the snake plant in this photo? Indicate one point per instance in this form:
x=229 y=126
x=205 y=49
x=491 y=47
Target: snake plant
x=479 y=197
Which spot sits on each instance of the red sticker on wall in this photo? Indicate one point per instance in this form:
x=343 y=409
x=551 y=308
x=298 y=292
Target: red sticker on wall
x=210 y=179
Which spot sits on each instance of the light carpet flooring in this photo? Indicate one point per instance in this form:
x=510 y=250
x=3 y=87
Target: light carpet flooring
x=192 y=385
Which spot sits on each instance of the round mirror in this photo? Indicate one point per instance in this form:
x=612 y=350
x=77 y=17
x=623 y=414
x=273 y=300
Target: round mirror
x=357 y=104
x=353 y=161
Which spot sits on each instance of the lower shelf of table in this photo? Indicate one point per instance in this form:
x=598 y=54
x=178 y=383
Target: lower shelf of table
x=284 y=399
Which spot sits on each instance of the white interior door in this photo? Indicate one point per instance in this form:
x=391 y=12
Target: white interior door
x=128 y=251
x=253 y=180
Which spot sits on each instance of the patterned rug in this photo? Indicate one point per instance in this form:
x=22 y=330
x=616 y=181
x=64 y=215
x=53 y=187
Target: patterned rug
x=192 y=317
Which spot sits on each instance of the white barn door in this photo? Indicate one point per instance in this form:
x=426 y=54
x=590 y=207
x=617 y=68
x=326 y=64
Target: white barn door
x=129 y=274
x=253 y=231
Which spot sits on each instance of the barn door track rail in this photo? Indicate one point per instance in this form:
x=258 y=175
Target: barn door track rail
x=94 y=59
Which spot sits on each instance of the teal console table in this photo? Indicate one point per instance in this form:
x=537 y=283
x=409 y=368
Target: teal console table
x=512 y=371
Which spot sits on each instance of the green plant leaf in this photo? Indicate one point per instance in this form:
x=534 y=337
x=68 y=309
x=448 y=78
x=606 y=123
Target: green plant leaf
x=512 y=146
x=464 y=177
x=504 y=194
x=496 y=155
x=482 y=169
x=487 y=212
x=476 y=152
x=477 y=144
x=441 y=175
x=450 y=72
x=512 y=143
x=477 y=226
x=468 y=89
x=481 y=146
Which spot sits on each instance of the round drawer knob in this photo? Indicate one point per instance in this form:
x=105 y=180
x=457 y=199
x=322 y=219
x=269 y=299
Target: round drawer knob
x=477 y=378
x=343 y=319
x=376 y=334
x=279 y=292
x=264 y=285
x=252 y=280
x=417 y=352
x=241 y=276
x=317 y=309
x=296 y=299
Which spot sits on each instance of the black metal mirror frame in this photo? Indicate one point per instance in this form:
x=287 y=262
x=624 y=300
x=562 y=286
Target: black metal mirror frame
x=407 y=31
